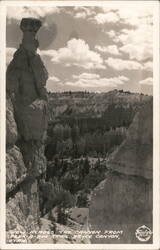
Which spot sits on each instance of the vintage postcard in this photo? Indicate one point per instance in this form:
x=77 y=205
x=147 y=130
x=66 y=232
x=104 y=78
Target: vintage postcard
x=79 y=124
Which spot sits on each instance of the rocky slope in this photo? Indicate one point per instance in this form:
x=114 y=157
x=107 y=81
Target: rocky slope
x=26 y=124
x=91 y=104
x=123 y=201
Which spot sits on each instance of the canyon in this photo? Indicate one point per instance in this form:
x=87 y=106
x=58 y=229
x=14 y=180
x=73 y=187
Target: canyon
x=53 y=165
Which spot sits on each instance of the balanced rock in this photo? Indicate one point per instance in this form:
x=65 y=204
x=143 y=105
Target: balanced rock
x=26 y=79
x=26 y=130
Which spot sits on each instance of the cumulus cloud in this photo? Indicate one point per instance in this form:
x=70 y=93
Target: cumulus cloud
x=147 y=81
x=83 y=12
x=131 y=14
x=120 y=64
x=143 y=34
x=137 y=43
x=87 y=80
x=137 y=40
x=54 y=79
x=111 y=33
x=76 y=53
x=138 y=52
x=148 y=66
x=110 y=17
x=86 y=76
x=9 y=54
x=48 y=53
x=89 y=11
x=136 y=14
x=53 y=85
x=111 y=49
x=35 y=11
x=82 y=15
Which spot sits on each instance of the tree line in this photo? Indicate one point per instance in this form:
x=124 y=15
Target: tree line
x=66 y=141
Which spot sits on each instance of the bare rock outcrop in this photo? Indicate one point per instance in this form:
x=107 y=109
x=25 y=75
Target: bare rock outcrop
x=16 y=171
x=134 y=156
x=26 y=124
x=11 y=126
x=123 y=201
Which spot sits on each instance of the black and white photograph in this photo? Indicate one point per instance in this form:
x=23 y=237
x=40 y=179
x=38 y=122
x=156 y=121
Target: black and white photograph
x=81 y=151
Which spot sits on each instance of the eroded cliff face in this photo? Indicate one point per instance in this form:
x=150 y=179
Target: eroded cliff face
x=123 y=201
x=26 y=124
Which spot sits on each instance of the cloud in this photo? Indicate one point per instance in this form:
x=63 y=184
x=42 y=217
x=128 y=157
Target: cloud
x=9 y=54
x=137 y=40
x=148 y=66
x=138 y=52
x=83 y=12
x=111 y=49
x=48 y=53
x=76 y=53
x=37 y=12
x=90 y=10
x=136 y=14
x=138 y=43
x=130 y=14
x=54 y=85
x=111 y=33
x=120 y=64
x=147 y=81
x=87 y=80
x=110 y=17
x=54 y=79
x=87 y=76
x=82 y=15
x=143 y=34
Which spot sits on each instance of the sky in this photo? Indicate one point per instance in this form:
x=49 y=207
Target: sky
x=91 y=48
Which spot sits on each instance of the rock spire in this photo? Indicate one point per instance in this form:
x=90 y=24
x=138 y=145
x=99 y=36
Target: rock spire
x=26 y=124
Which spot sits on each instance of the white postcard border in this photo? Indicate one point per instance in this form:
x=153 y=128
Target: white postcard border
x=156 y=131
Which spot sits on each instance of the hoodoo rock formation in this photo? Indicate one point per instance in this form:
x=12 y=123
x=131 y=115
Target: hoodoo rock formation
x=26 y=124
x=123 y=201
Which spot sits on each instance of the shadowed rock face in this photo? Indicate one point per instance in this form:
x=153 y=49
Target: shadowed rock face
x=11 y=126
x=134 y=156
x=123 y=201
x=15 y=169
x=26 y=130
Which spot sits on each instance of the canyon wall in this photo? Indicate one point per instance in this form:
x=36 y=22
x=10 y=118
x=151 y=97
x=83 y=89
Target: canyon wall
x=123 y=201
x=26 y=124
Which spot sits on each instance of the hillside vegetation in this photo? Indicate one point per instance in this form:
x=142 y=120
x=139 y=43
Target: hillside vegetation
x=84 y=130
x=89 y=124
